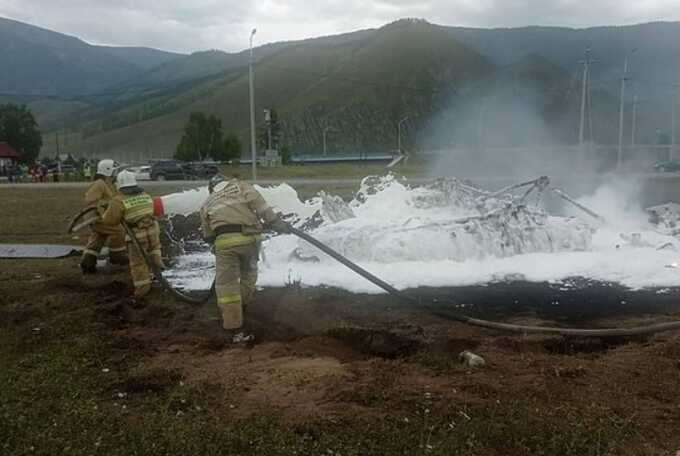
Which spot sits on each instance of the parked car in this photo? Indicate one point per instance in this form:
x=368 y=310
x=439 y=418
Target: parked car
x=167 y=170
x=201 y=170
x=672 y=166
x=142 y=173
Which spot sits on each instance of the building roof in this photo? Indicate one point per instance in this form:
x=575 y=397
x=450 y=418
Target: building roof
x=7 y=151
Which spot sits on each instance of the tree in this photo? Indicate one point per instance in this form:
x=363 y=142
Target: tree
x=202 y=138
x=286 y=155
x=232 y=148
x=19 y=129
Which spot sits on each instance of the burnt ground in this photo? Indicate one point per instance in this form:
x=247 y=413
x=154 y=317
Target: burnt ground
x=331 y=372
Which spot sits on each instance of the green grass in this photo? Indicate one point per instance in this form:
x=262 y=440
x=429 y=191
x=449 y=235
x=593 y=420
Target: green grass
x=55 y=399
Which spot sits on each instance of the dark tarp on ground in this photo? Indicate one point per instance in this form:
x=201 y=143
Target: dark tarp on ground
x=38 y=250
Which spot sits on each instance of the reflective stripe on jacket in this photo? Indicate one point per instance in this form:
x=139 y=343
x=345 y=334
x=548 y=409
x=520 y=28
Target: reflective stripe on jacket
x=131 y=208
x=228 y=240
x=137 y=207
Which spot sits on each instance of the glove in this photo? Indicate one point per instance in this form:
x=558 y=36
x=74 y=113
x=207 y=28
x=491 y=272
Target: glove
x=279 y=226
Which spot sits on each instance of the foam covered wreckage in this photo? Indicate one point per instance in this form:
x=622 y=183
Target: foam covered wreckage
x=389 y=221
x=445 y=220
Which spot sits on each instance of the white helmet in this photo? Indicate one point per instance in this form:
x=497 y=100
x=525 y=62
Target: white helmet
x=106 y=167
x=126 y=179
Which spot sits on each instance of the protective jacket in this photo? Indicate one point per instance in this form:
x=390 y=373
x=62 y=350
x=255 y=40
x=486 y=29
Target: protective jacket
x=136 y=209
x=99 y=194
x=237 y=204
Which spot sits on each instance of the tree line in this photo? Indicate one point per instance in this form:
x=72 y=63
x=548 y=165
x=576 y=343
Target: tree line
x=19 y=129
x=204 y=137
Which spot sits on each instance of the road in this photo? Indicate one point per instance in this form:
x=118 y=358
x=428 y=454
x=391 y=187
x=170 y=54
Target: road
x=650 y=188
x=483 y=181
x=198 y=183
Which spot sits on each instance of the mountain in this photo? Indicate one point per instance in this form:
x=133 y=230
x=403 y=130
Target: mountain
x=40 y=61
x=653 y=64
x=453 y=85
x=361 y=85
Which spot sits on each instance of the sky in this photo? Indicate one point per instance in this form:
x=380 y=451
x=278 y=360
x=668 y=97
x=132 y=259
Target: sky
x=193 y=25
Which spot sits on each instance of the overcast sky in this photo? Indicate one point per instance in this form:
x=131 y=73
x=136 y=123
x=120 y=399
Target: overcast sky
x=191 y=25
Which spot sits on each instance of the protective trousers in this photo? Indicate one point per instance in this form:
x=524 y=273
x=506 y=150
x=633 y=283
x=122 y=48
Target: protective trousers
x=236 y=257
x=150 y=241
x=97 y=240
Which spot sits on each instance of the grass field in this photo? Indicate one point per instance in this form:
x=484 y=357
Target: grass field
x=82 y=372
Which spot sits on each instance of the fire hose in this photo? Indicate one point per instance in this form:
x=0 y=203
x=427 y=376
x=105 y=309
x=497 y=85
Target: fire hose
x=158 y=272
x=525 y=329
x=612 y=332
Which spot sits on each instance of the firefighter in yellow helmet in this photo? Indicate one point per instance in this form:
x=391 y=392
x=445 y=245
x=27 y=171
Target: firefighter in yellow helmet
x=232 y=219
x=135 y=207
x=98 y=194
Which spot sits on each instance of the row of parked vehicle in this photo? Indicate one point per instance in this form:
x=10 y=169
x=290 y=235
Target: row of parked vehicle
x=175 y=170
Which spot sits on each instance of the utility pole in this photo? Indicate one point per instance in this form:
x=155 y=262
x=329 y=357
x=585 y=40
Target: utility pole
x=268 y=120
x=326 y=130
x=624 y=78
x=253 y=148
x=399 y=133
x=671 y=154
x=634 y=126
x=584 y=91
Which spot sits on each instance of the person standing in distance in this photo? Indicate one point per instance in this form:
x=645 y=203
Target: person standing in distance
x=233 y=219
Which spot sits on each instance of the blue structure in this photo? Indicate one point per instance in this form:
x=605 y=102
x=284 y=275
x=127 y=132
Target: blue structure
x=303 y=159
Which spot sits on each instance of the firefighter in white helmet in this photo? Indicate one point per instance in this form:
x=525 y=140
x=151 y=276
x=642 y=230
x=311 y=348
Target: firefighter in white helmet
x=232 y=220
x=98 y=194
x=134 y=206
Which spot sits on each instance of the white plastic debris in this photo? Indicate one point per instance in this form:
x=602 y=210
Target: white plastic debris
x=471 y=360
x=242 y=338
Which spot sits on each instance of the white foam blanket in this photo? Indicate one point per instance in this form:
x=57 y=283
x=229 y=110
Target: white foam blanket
x=450 y=234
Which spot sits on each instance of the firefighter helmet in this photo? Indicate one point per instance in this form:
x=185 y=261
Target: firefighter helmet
x=214 y=181
x=106 y=167
x=126 y=179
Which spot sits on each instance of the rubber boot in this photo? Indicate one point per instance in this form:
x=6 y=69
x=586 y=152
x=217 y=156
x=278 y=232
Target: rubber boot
x=118 y=258
x=88 y=264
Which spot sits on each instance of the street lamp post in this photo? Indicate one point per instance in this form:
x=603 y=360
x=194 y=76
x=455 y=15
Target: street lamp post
x=671 y=154
x=399 y=133
x=326 y=130
x=619 y=155
x=253 y=149
x=633 y=132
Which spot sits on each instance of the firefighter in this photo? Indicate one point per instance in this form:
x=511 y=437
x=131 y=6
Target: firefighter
x=98 y=194
x=232 y=220
x=135 y=207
